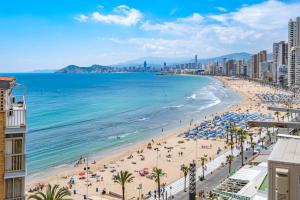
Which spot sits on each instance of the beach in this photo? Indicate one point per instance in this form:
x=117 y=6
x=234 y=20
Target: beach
x=167 y=152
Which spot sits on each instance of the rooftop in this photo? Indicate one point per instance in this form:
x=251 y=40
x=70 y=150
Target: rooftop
x=286 y=150
x=7 y=78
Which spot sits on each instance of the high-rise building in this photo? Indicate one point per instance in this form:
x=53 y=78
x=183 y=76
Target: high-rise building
x=12 y=140
x=255 y=60
x=293 y=53
x=280 y=58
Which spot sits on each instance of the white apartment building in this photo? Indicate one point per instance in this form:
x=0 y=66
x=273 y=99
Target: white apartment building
x=293 y=53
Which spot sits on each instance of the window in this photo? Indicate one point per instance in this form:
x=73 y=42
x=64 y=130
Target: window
x=13 y=188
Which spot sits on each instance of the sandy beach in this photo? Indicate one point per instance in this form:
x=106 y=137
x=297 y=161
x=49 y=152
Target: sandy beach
x=167 y=152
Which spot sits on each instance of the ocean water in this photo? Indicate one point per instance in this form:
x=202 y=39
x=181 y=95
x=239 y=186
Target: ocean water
x=71 y=115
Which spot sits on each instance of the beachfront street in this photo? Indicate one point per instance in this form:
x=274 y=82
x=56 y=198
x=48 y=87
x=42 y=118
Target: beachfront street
x=214 y=179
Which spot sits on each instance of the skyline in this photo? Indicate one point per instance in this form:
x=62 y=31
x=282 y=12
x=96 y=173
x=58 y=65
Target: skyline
x=56 y=34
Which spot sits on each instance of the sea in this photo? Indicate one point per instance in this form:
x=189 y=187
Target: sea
x=74 y=115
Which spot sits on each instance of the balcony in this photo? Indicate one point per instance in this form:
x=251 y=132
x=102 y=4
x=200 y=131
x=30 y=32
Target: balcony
x=14 y=165
x=16 y=115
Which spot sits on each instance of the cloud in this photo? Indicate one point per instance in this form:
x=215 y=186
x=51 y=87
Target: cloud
x=194 y=18
x=81 y=18
x=124 y=16
x=222 y=9
x=249 y=28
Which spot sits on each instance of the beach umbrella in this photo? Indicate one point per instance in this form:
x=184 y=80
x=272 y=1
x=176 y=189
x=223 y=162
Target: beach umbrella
x=81 y=173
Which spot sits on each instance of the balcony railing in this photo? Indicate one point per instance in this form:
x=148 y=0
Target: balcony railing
x=14 y=162
x=16 y=118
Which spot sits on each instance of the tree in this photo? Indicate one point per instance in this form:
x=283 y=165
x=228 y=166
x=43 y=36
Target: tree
x=253 y=144
x=227 y=135
x=156 y=175
x=185 y=170
x=122 y=178
x=231 y=143
x=232 y=130
x=251 y=136
x=243 y=137
x=203 y=160
x=277 y=115
x=259 y=132
x=270 y=135
x=229 y=159
x=52 y=193
x=262 y=141
x=239 y=133
x=288 y=116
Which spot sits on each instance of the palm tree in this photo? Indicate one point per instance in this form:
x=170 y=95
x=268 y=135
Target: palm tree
x=232 y=130
x=243 y=137
x=277 y=115
x=185 y=170
x=253 y=144
x=231 y=146
x=259 y=132
x=227 y=135
x=229 y=159
x=288 y=115
x=203 y=160
x=251 y=136
x=270 y=135
x=122 y=178
x=52 y=193
x=262 y=141
x=156 y=174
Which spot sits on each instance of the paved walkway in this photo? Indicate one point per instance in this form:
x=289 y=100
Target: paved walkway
x=178 y=185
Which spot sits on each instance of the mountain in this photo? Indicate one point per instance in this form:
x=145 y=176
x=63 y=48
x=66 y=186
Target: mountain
x=151 y=61
x=158 y=61
x=79 y=70
x=155 y=62
x=233 y=56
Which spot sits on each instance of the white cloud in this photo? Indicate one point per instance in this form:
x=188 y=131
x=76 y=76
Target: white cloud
x=249 y=28
x=124 y=16
x=222 y=9
x=194 y=18
x=82 y=18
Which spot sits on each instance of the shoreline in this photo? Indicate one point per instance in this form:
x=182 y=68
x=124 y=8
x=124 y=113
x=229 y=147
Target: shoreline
x=134 y=145
x=122 y=152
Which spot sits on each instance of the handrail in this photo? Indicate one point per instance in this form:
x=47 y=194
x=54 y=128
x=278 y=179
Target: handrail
x=14 y=162
x=16 y=118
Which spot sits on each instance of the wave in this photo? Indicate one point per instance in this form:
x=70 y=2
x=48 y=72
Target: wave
x=174 y=107
x=217 y=101
x=121 y=135
x=193 y=96
x=143 y=119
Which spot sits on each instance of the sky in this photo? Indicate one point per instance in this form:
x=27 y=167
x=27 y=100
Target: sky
x=52 y=34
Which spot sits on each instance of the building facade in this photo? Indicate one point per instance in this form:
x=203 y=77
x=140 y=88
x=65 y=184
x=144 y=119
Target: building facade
x=12 y=140
x=280 y=61
x=256 y=59
x=293 y=53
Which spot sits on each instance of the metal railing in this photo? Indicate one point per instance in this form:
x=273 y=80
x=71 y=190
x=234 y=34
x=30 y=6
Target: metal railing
x=16 y=118
x=14 y=162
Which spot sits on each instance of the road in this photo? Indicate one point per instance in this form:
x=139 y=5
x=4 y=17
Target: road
x=214 y=179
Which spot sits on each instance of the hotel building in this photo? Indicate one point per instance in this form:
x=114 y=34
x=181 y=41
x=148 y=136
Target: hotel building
x=294 y=53
x=256 y=59
x=12 y=140
x=280 y=61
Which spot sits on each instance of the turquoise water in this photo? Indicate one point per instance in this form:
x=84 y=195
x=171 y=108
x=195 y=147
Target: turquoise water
x=70 y=115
